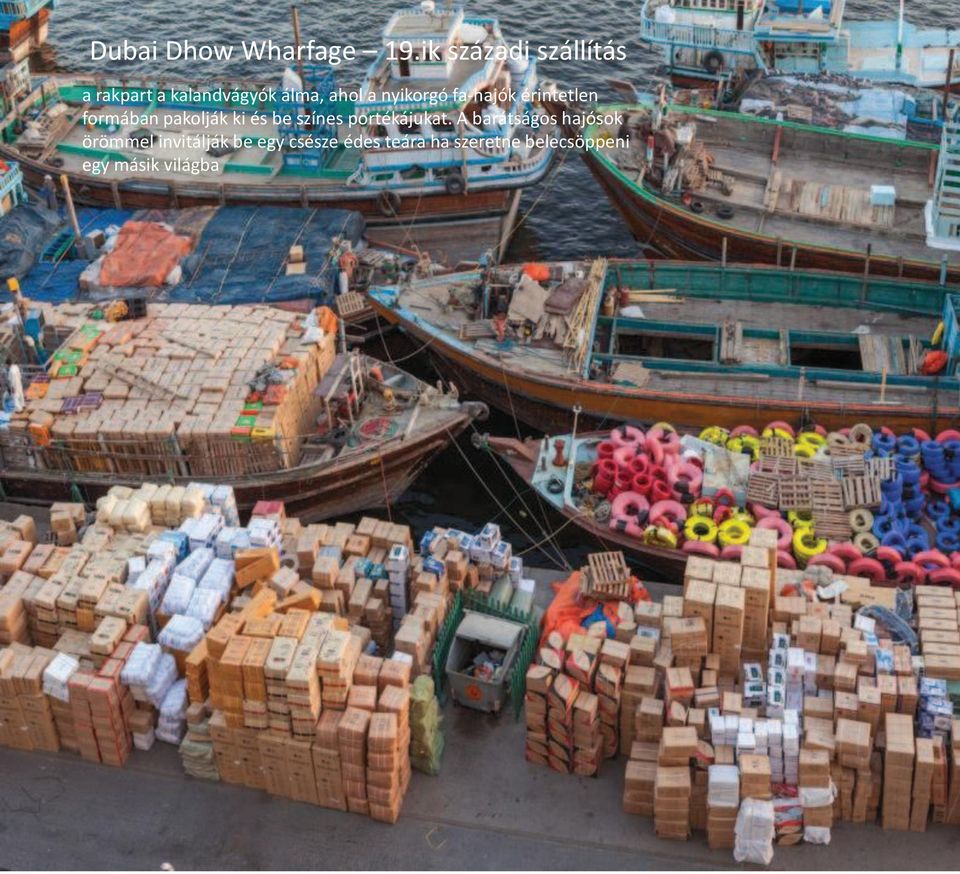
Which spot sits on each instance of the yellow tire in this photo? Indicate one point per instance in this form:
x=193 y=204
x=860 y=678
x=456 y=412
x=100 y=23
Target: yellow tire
x=800 y=518
x=714 y=434
x=811 y=438
x=806 y=544
x=734 y=532
x=700 y=528
x=657 y=535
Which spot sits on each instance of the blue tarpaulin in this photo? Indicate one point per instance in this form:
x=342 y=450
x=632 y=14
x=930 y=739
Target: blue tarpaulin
x=240 y=254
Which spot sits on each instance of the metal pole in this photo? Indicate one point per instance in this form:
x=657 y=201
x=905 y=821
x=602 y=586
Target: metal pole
x=295 y=16
x=71 y=211
x=948 y=84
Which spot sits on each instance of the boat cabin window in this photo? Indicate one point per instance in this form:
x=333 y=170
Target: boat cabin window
x=403 y=60
x=657 y=345
x=407 y=125
x=837 y=356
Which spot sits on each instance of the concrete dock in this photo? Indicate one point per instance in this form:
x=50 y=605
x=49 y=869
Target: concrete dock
x=488 y=809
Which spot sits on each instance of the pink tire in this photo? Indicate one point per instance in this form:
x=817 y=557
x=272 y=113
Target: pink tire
x=759 y=512
x=740 y=430
x=699 y=547
x=949 y=434
x=671 y=511
x=845 y=551
x=834 y=562
x=786 y=560
x=783 y=426
x=888 y=555
x=627 y=435
x=946 y=576
x=731 y=553
x=932 y=556
x=868 y=567
x=783 y=528
x=909 y=573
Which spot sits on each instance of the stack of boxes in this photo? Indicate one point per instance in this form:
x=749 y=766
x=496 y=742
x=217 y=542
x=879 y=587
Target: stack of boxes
x=560 y=708
x=538 y=680
x=723 y=802
x=898 y=761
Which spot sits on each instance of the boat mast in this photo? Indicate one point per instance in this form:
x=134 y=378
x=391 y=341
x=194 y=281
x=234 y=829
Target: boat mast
x=900 y=34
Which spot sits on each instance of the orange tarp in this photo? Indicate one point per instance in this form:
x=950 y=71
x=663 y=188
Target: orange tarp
x=568 y=607
x=143 y=256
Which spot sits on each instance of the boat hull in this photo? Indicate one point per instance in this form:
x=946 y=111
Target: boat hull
x=678 y=233
x=312 y=492
x=547 y=403
x=482 y=218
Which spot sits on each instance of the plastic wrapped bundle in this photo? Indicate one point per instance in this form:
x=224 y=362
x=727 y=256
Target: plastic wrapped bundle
x=754 y=832
x=178 y=594
x=224 y=499
x=426 y=738
x=219 y=578
x=141 y=664
x=153 y=580
x=203 y=606
x=161 y=680
x=136 y=565
x=173 y=714
x=195 y=565
x=198 y=759
x=57 y=674
x=723 y=786
x=164 y=551
x=182 y=632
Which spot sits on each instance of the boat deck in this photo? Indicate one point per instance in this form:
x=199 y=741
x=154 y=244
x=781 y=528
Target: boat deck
x=670 y=343
x=179 y=151
x=810 y=188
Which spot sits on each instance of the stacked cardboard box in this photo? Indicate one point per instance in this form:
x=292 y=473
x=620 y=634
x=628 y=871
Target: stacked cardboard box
x=587 y=737
x=26 y=717
x=640 y=779
x=326 y=761
x=352 y=741
x=671 y=802
x=560 y=708
x=723 y=802
x=898 y=764
x=538 y=680
x=608 y=683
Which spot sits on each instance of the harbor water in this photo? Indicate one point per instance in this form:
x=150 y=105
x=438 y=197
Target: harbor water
x=566 y=217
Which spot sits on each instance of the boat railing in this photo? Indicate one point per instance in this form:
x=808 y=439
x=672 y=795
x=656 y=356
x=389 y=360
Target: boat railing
x=20 y=10
x=698 y=36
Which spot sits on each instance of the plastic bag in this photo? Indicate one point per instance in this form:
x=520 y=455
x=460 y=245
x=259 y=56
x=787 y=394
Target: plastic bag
x=219 y=578
x=141 y=664
x=816 y=834
x=195 y=565
x=178 y=595
x=203 y=606
x=57 y=674
x=754 y=832
x=161 y=680
x=181 y=632
x=171 y=725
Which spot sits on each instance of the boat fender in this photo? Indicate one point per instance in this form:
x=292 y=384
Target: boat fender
x=761 y=512
x=702 y=507
x=696 y=207
x=686 y=479
x=641 y=484
x=888 y=555
x=955 y=560
x=949 y=434
x=713 y=61
x=834 y=562
x=659 y=491
x=781 y=526
x=623 y=456
x=946 y=576
x=654 y=449
x=800 y=518
x=835 y=438
x=861 y=434
x=931 y=558
x=701 y=547
x=700 y=528
x=942 y=488
x=734 y=532
x=785 y=560
x=845 y=551
x=722 y=514
x=669 y=511
x=806 y=544
x=605 y=449
x=56 y=161
x=555 y=485
x=950 y=525
x=731 y=552
x=659 y=535
x=908 y=445
x=938 y=510
x=861 y=519
x=627 y=435
x=667 y=435
x=868 y=567
x=725 y=211
x=812 y=438
x=605 y=476
x=895 y=540
x=866 y=542
x=743 y=431
x=455 y=183
x=779 y=425
x=804 y=450
x=920 y=434
x=947 y=541
x=909 y=573
x=714 y=434
x=744 y=516
x=388 y=202
x=724 y=498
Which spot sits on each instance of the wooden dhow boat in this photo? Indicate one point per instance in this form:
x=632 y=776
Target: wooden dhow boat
x=724 y=186
x=689 y=343
x=247 y=396
x=422 y=144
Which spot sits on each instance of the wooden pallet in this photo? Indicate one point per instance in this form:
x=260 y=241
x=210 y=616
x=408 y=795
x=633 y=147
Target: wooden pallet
x=777 y=465
x=795 y=493
x=882 y=468
x=861 y=491
x=606 y=576
x=833 y=526
x=779 y=447
x=848 y=465
x=826 y=496
x=816 y=469
x=847 y=450
x=764 y=489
